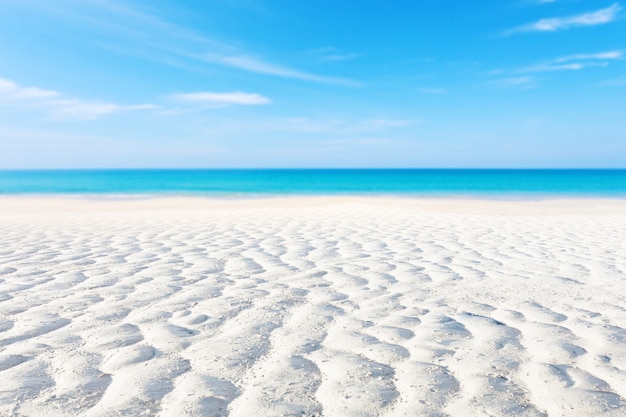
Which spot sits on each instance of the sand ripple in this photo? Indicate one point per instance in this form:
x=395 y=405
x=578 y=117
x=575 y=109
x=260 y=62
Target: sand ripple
x=338 y=309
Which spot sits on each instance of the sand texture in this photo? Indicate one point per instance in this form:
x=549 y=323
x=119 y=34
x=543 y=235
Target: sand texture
x=311 y=307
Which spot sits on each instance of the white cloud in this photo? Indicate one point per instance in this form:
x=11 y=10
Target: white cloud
x=89 y=110
x=598 y=17
x=35 y=93
x=576 y=62
x=10 y=89
x=235 y=97
x=601 y=55
x=7 y=85
x=80 y=110
x=56 y=106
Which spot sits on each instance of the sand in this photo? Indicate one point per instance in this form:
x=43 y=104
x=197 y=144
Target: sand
x=311 y=307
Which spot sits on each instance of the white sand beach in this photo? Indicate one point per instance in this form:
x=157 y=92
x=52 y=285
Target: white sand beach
x=312 y=307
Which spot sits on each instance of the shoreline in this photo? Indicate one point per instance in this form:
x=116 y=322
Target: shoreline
x=505 y=196
x=555 y=205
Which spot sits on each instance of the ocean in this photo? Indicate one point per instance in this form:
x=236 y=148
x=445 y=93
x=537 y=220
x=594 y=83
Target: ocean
x=506 y=183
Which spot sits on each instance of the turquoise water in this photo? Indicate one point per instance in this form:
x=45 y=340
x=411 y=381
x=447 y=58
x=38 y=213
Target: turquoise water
x=416 y=182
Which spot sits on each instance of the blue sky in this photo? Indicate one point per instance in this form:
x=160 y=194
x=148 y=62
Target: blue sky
x=283 y=83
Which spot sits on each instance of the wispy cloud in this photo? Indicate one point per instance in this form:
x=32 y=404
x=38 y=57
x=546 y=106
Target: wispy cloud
x=58 y=106
x=554 y=24
x=601 y=55
x=576 y=62
x=235 y=97
x=523 y=78
x=332 y=54
x=525 y=82
x=146 y=35
x=261 y=67
x=340 y=57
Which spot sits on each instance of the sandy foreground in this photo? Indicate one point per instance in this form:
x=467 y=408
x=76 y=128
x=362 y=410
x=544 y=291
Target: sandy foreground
x=312 y=306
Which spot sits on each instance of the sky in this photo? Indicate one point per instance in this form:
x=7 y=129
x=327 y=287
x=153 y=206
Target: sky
x=312 y=84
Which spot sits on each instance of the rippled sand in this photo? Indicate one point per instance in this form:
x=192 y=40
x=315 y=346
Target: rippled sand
x=312 y=306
